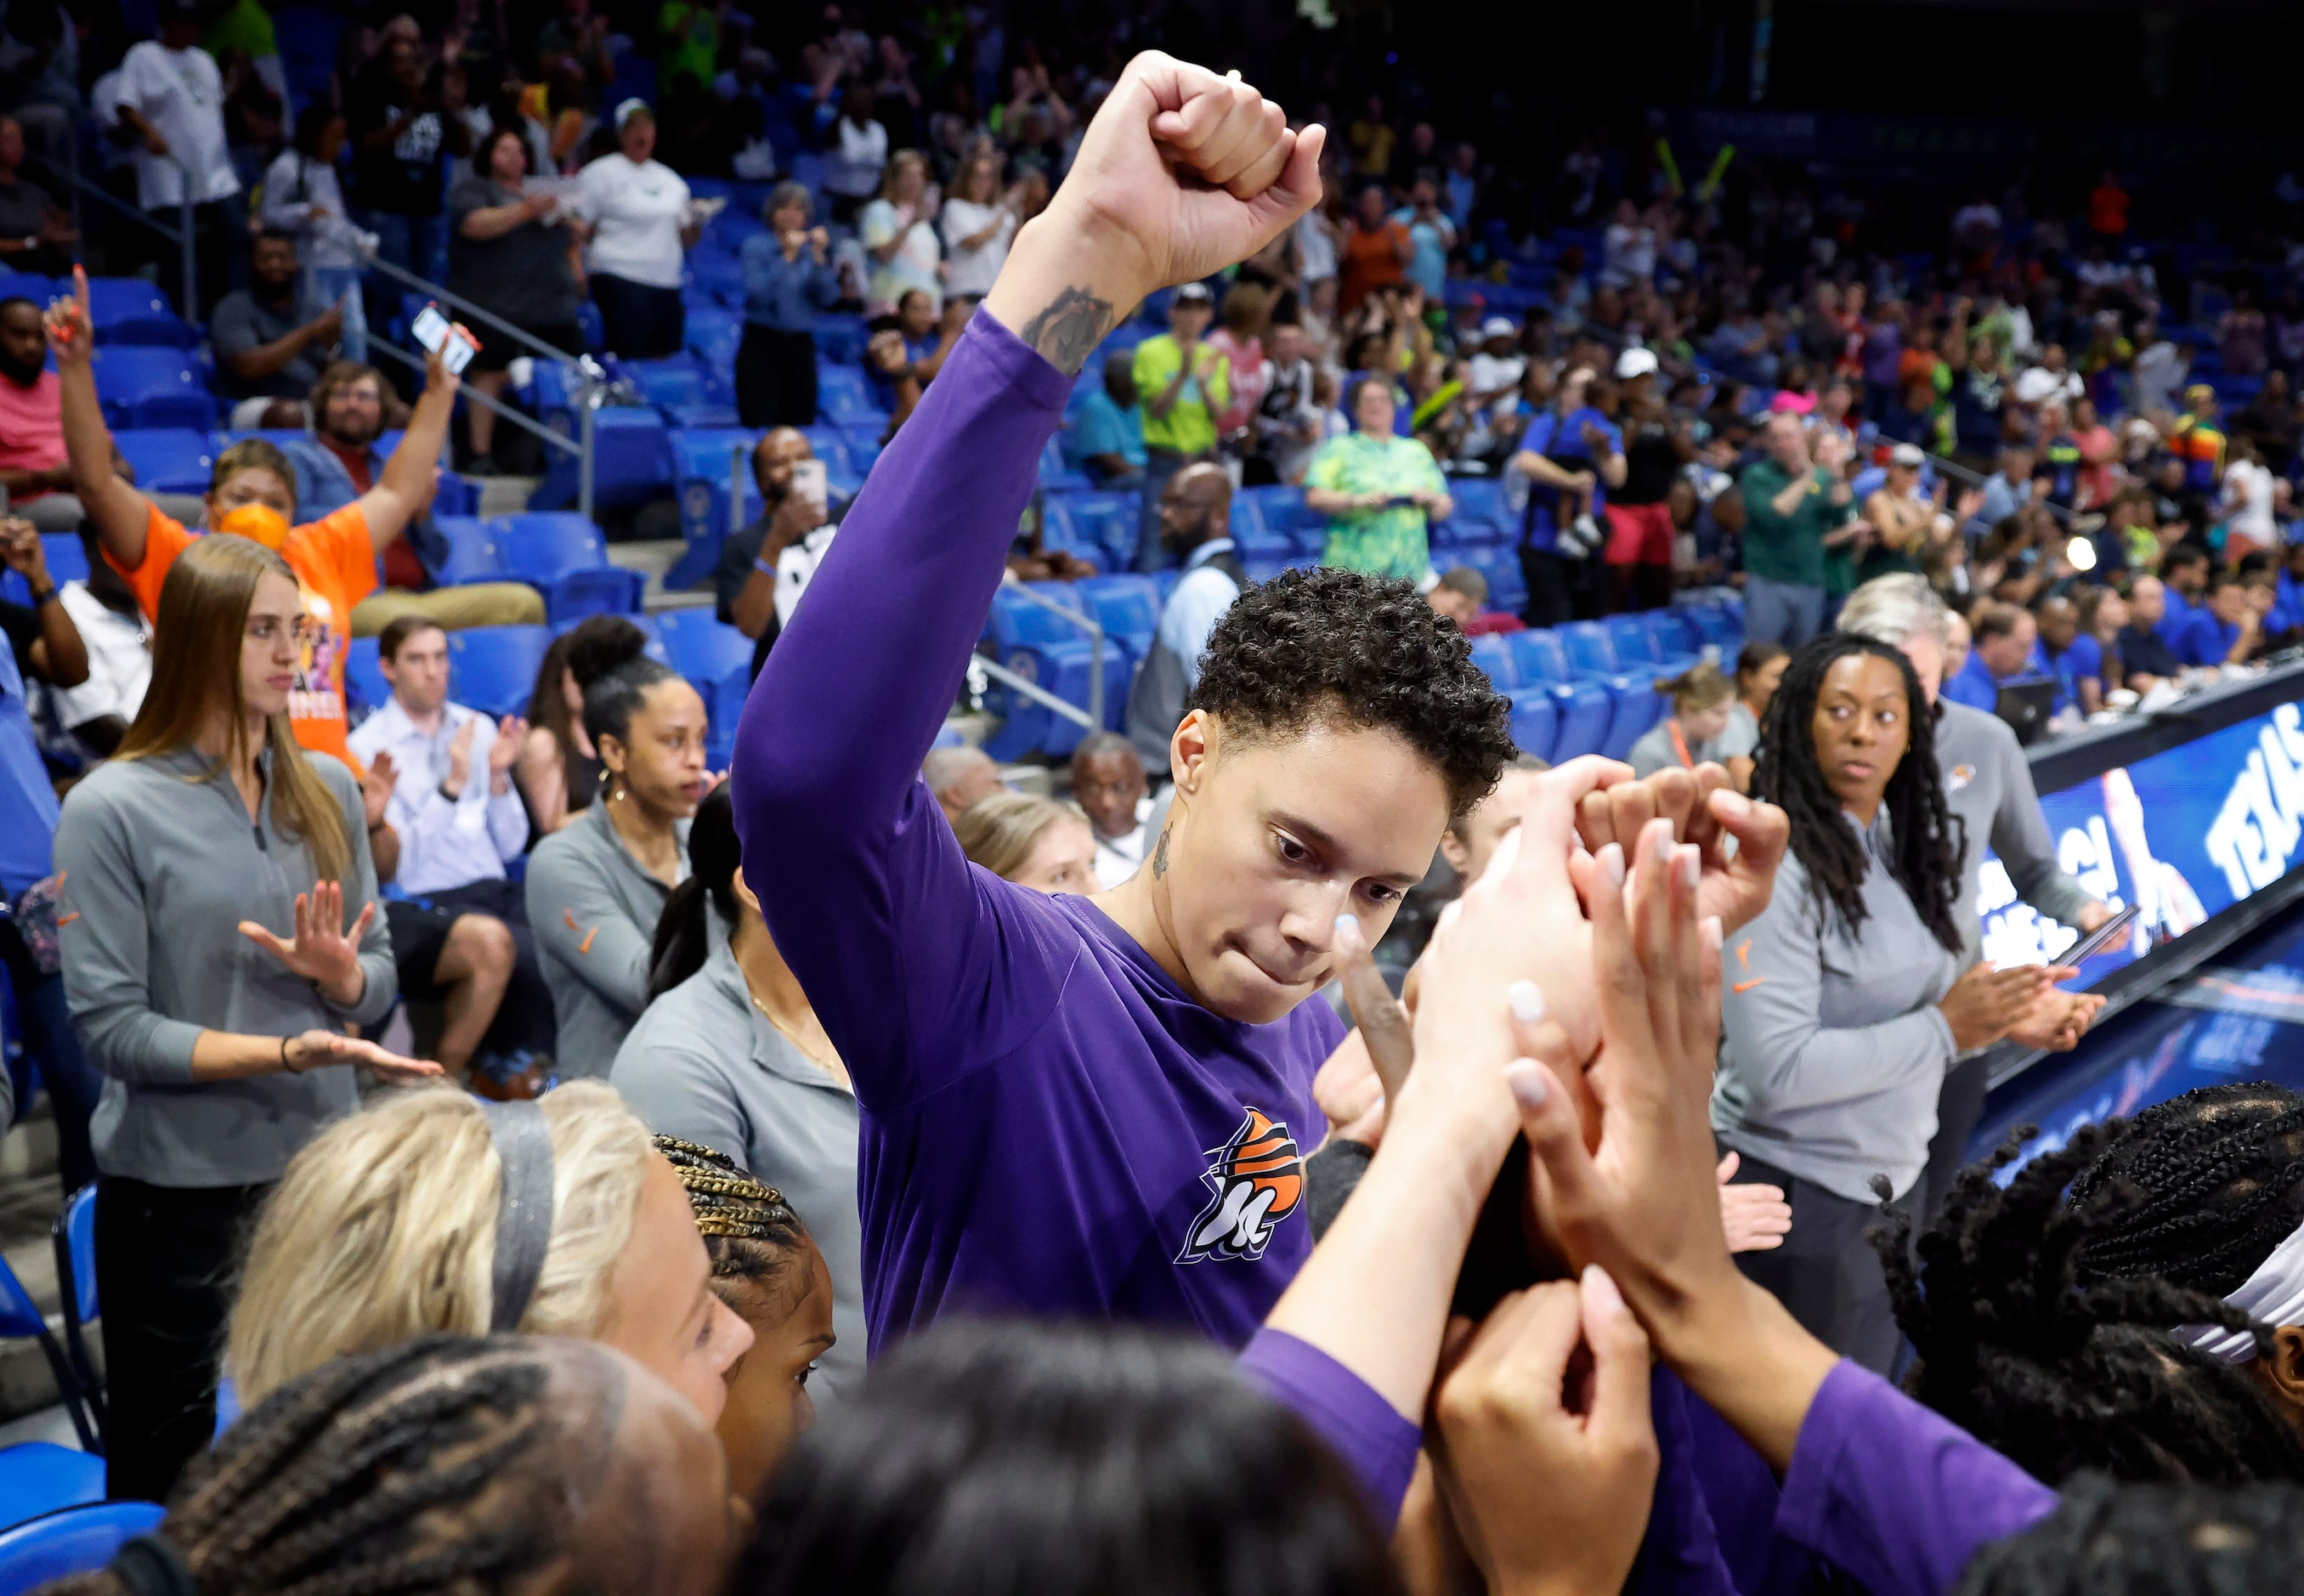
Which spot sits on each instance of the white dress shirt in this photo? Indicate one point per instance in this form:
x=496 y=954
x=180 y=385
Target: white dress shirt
x=1117 y=858
x=444 y=844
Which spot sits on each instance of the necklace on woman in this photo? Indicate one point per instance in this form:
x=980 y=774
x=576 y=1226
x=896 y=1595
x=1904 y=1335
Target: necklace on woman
x=828 y=1060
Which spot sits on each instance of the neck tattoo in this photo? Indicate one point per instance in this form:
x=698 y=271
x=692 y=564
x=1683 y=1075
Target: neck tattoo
x=1160 y=855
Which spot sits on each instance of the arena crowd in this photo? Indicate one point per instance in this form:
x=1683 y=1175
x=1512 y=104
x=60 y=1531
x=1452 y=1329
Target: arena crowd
x=839 y=1172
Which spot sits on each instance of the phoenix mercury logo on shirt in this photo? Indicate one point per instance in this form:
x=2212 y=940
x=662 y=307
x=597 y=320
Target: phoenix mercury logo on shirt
x=1257 y=1181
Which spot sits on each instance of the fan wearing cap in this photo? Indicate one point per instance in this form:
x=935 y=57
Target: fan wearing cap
x=1640 y=521
x=639 y=222
x=252 y=493
x=1903 y=522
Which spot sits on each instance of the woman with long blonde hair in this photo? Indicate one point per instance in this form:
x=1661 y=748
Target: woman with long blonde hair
x=207 y=870
x=433 y=1211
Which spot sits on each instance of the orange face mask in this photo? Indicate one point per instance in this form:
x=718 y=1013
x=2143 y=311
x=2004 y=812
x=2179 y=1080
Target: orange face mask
x=261 y=522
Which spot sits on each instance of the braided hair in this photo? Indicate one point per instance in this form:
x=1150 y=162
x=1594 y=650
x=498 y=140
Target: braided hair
x=2109 y=1540
x=445 y=1463
x=749 y=1231
x=1930 y=842
x=2064 y=1374
x=2219 y=1178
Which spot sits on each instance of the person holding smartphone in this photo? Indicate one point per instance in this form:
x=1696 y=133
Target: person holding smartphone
x=1380 y=492
x=795 y=513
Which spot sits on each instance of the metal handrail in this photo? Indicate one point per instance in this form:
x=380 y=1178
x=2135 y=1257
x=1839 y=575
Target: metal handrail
x=1977 y=479
x=1087 y=623
x=1038 y=694
x=181 y=235
x=486 y=317
x=582 y=449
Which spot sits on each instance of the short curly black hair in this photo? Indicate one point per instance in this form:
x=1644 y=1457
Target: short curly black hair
x=1344 y=648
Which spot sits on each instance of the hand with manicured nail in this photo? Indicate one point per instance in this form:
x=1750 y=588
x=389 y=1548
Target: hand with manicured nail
x=1637 y=1191
x=1513 y=1407
x=1369 y=1066
x=1741 y=841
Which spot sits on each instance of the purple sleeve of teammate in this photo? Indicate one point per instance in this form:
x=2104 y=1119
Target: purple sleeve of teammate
x=1679 y=1553
x=1361 y=1428
x=868 y=894
x=1896 y=1495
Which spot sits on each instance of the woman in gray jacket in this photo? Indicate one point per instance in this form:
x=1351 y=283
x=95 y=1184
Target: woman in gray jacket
x=597 y=887
x=205 y=874
x=1842 y=1012
x=730 y=1056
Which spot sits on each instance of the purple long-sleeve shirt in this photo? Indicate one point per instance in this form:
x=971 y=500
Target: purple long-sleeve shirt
x=1049 y=1125
x=1880 y=1488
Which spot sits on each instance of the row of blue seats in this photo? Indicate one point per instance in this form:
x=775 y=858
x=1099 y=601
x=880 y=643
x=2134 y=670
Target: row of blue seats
x=1587 y=687
x=494 y=668
x=122 y=309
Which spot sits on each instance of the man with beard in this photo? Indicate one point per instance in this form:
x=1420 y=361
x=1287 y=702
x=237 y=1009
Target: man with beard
x=339 y=462
x=32 y=467
x=1196 y=531
x=269 y=341
x=752 y=559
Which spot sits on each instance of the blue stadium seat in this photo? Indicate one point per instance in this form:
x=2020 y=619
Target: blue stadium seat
x=1057 y=474
x=653 y=648
x=1584 y=710
x=1056 y=656
x=1499 y=563
x=844 y=393
x=835 y=448
x=701 y=463
x=714 y=333
x=1675 y=637
x=148 y=386
x=687 y=392
x=73 y=1541
x=1107 y=520
x=1478 y=517
x=39 y=1477
x=1493 y=655
x=1284 y=511
x=1591 y=650
x=717 y=661
x=364 y=680
x=30 y=285
x=1538 y=656
x=564 y=554
x=628 y=458
x=699 y=645
x=131 y=310
x=1128 y=608
x=1628 y=635
x=1712 y=623
x=1636 y=706
x=73 y=1237
x=167 y=459
x=473 y=556
x=713 y=273
x=840 y=339
x=1535 y=721
x=595 y=330
x=493 y=668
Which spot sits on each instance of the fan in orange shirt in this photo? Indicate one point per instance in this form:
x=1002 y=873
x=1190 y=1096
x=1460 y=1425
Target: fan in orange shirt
x=252 y=492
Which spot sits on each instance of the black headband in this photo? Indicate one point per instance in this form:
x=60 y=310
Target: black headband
x=523 y=1144
x=149 y=1565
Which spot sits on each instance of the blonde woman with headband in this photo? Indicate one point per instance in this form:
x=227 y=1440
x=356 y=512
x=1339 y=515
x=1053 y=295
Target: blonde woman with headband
x=433 y=1210
x=219 y=935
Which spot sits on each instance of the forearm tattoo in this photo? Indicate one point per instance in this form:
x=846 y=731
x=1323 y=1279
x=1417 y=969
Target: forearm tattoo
x=1069 y=328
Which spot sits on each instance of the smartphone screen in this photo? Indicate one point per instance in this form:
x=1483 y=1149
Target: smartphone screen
x=808 y=481
x=454 y=341
x=429 y=328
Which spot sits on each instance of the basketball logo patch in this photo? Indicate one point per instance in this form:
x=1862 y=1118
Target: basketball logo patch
x=1255 y=1181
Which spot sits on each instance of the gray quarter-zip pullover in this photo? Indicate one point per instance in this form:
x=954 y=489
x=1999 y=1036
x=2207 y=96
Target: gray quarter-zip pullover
x=592 y=908
x=159 y=865
x=705 y=1065
x=1832 y=1049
